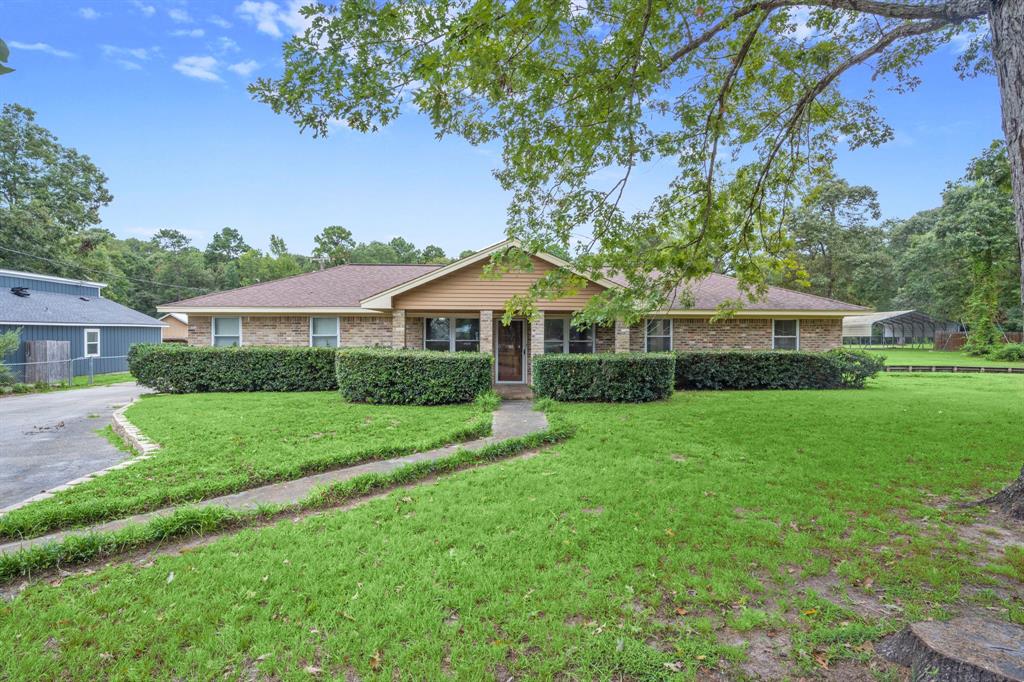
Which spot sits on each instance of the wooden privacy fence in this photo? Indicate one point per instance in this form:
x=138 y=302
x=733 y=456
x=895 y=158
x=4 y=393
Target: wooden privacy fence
x=956 y=340
x=47 y=361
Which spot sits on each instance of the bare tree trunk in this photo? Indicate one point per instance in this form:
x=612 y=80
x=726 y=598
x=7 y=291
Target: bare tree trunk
x=1006 y=18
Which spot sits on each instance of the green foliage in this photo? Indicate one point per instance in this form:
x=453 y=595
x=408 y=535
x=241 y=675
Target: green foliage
x=50 y=193
x=5 y=54
x=757 y=370
x=744 y=104
x=9 y=342
x=840 y=249
x=175 y=368
x=412 y=377
x=334 y=244
x=856 y=366
x=1009 y=352
x=604 y=377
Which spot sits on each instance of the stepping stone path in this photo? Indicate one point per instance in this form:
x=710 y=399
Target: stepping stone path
x=959 y=650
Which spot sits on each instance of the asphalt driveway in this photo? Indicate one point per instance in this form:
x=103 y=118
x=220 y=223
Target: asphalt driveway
x=50 y=438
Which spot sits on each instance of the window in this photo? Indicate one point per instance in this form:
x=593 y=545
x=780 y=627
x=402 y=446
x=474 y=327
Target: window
x=561 y=337
x=658 y=336
x=452 y=334
x=467 y=335
x=324 y=332
x=92 y=343
x=227 y=331
x=786 y=334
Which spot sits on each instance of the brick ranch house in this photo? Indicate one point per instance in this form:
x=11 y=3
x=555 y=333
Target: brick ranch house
x=451 y=307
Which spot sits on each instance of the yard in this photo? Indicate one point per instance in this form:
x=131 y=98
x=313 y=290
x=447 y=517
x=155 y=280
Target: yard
x=656 y=542
x=218 y=443
x=923 y=356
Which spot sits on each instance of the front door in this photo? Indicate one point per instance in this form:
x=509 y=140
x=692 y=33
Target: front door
x=511 y=351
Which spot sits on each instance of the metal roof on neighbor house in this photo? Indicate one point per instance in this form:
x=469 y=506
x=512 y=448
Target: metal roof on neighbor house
x=48 y=308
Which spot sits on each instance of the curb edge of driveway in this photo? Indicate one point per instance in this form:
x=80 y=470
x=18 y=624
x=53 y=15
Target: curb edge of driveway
x=136 y=441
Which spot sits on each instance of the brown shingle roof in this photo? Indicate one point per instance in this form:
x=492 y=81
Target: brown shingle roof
x=343 y=286
x=715 y=288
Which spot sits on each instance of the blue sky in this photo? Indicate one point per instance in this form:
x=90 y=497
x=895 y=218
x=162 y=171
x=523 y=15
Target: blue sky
x=155 y=93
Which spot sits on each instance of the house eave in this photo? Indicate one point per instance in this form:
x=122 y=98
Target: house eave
x=755 y=313
x=268 y=310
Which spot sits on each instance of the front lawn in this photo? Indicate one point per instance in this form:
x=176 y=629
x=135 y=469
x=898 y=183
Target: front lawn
x=652 y=544
x=920 y=356
x=217 y=443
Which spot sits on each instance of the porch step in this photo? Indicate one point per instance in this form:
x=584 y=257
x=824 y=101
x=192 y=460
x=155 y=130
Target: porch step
x=513 y=391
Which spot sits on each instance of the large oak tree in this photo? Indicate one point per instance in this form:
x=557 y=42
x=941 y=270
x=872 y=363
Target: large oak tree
x=742 y=95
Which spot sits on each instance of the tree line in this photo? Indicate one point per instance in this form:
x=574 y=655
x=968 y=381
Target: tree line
x=957 y=261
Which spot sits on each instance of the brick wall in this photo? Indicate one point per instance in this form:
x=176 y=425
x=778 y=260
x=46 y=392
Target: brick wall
x=605 y=339
x=275 y=331
x=820 y=335
x=199 y=331
x=364 y=330
x=733 y=334
x=414 y=332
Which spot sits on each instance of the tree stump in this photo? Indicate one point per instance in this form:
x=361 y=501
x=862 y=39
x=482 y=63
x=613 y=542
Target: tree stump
x=960 y=650
x=1009 y=500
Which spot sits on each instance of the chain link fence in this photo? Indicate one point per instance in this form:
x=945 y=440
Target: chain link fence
x=66 y=371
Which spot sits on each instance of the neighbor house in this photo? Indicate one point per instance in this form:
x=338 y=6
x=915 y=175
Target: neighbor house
x=98 y=332
x=176 y=330
x=453 y=307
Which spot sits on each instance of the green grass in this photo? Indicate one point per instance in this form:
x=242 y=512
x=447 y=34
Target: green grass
x=916 y=356
x=629 y=551
x=101 y=379
x=218 y=443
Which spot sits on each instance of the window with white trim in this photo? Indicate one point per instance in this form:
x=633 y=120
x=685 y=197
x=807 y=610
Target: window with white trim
x=227 y=331
x=324 y=332
x=561 y=337
x=786 y=334
x=92 y=343
x=658 y=336
x=451 y=334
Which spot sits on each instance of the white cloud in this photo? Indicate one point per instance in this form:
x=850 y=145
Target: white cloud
x=961 y=41
x=224 y=45
x=270 y=17
x=244 y=68
x=41 y=47
x=203 y=68
x=88 y=13
x=179 y=15
x=147 y=10
x=189 y=33
x=127 y=57
x=133 y=52
x=217 y=21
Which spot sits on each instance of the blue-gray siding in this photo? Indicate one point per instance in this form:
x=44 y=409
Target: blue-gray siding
x=8 y=281
x=114 y=342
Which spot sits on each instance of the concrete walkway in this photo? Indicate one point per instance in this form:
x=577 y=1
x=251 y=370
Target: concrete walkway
x=514 y=418
x=47 y=439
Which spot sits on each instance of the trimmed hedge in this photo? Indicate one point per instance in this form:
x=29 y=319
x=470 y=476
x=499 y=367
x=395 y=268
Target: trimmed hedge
x=716 y=370
x=412 y=377
x=604 y=377
x=173 y=368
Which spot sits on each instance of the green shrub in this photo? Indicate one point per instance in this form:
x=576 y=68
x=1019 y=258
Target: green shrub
x=717 y=370
x=412 y=377
x=174 y=368
x=856 y=366
x=1008 y=352
x=604 y=377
